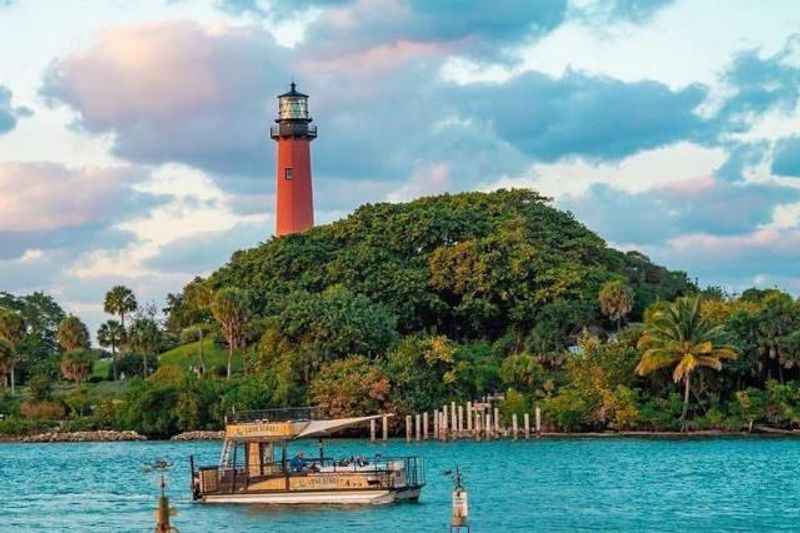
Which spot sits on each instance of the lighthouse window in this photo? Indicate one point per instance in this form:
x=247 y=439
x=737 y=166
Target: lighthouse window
x=287 y=173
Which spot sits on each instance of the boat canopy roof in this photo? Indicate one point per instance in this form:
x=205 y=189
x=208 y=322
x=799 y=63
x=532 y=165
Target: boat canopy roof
x=287 y=424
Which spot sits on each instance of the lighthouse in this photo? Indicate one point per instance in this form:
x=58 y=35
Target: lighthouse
x=294 y=205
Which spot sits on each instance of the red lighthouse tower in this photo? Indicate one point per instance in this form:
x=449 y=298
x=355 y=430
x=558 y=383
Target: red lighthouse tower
x=293 y=132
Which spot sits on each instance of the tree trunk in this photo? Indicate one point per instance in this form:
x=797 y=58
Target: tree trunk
x=230 y=358
x=202 y=359
x=13 y=390
x=686 y=400
x=114 y=360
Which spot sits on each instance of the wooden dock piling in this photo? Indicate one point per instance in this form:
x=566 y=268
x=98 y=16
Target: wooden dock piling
x=514 y=425
x=538 y=420
x=425 y=425
x=435 y=424
x=527 y=422
x=460 y=427
x=408 y=428
x=385 y=427
x=497 y=421
x=469 y=416
x=372 y=430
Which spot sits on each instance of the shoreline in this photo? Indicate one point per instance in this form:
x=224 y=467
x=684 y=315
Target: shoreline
x=191 y=436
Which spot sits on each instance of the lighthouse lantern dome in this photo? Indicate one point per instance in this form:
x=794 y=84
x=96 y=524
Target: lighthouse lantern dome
x=293 y=105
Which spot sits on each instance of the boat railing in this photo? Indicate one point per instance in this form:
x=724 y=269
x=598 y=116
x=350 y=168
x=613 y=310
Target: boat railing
x=388 y=472
x=286 y=414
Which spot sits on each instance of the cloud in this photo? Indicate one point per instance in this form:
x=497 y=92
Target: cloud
x=786 y=160
x=49 y=205
x=607 y=11
x=578 y=114
x=760 y=84
x=205 y=251
x=176 y=91
x=763 y=251
x=472 y=27
x=9 y=115
x=710 y=206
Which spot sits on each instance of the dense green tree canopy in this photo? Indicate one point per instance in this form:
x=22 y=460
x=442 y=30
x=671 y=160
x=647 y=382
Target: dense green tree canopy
x=471 y=266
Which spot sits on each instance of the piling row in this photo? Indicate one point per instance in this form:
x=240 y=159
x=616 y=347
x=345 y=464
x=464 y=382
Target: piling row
x=478 y=420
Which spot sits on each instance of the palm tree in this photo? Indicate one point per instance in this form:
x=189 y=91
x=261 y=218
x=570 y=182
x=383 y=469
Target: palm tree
x=72 y=334
x=13 y=329
x=616 y=300
x=76 y=365
x=680 y=337
x=120 y=301
x=111 y=335
x=7 y=356
x=231 y=308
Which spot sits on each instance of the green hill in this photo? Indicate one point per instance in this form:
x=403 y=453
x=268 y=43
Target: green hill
x=186 y=356
x=470 y=266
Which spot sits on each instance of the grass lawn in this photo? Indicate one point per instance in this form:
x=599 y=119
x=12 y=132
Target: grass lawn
x=101 y=368
x=186 y=356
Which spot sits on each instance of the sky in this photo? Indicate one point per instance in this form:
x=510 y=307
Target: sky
x=133 y=145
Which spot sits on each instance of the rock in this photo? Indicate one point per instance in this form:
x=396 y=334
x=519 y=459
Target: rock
x=84 y=436
x=200 y=435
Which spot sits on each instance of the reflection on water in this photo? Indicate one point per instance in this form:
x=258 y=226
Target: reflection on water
x=548 y=485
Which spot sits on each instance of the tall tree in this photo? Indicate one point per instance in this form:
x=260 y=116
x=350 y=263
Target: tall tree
x=73 y=334
x=76 y=365
x=111 y=334
x=13 y=330
x=144 y=337
x=196 y=333
x=680 y=337
x=616 y=300
x=7 y=356
x=120 y=301
x=231 y=308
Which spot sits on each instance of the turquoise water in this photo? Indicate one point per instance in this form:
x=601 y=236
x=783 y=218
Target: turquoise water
x=546 y=485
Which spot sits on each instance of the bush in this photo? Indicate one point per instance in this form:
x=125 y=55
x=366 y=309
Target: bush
x=130 y=364
x=41 y=387
x=715 y=418
x=150 y=409
x=621 y=408
x=9 y=405
x=568 y=410
x=751 y=406
x=169 y=375
x=661 y=414
x=17 y=427
x=42 y=410
x=79 y=402
x=350 y=387
x=783 y=409
x=515 y=403
x=84 y=423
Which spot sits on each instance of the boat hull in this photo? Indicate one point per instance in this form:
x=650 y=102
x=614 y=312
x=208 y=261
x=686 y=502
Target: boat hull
x=361 y=497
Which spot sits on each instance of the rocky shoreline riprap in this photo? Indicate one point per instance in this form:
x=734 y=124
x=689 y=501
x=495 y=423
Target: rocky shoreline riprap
x=80 y=436
x=199 y=435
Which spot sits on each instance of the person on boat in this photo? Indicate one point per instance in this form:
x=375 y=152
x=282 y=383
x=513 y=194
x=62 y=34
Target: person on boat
x=297 y=463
